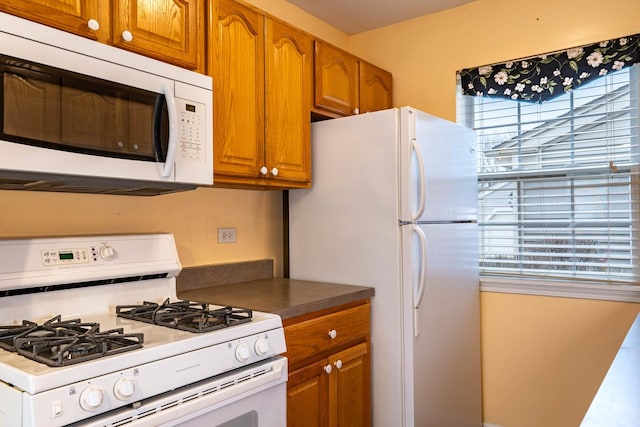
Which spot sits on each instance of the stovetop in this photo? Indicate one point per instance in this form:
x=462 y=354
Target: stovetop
x=58 y=342
x=159 y=343
x=189 y=316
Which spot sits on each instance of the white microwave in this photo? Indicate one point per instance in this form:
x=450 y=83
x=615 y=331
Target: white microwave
x=77 y=115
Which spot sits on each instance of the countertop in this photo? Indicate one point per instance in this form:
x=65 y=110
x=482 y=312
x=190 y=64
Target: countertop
x=286 y=297
x=617 y=402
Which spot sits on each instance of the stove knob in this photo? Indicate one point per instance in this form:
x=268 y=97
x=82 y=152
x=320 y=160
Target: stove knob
x=107 y=252
x=261 y=347
x=124 y=388
x=243 y=353
x=91 y=398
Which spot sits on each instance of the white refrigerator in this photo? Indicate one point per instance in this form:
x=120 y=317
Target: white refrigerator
x=393 y=206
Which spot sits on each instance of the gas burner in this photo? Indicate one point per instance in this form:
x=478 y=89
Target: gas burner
x=185 y=315
x=9 y=332
x=61 y=343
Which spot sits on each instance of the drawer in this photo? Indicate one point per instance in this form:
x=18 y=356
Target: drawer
x=313 y=337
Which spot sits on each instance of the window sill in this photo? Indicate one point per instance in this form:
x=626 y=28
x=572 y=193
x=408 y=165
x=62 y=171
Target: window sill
x=626 y=293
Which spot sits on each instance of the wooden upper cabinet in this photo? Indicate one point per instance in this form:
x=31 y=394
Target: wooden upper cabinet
x=262 y=71
x=375 y=88
x=73 y=16
x=168 y=30
x=336 y=80
x=236 y=56
x=289 y=56
x=345 y=85
x=163 y=29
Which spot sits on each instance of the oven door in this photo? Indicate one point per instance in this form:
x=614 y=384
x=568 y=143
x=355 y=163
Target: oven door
x=253 y=396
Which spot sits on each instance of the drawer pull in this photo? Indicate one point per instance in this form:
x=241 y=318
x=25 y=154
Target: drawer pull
x=333 y=334
x=338 y=364
x=328 y=369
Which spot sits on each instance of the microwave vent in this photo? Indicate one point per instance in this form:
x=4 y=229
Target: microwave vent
x=91 y=185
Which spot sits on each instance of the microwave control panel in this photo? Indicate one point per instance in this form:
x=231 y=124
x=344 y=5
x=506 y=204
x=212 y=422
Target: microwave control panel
x=191 y=130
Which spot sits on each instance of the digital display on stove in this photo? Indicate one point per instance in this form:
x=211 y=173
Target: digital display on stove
x=65 y=255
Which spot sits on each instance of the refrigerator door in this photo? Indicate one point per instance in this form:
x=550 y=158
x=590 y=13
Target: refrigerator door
x=345 y=230
x=442 y=343
x=437 y=169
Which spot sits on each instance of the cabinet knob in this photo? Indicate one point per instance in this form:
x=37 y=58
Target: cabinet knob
x=356 y=111
x=338 y=364
x=333 y=334
x=263 y=170
x=274 y=171
x=328 y=369
x=93 y=25
x=127 y=36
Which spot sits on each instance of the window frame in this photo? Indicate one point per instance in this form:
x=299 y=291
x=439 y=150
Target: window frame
x=570 y=287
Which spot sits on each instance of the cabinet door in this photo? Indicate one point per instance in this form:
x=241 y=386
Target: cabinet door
x=375 y=88
x=237 y=68
x=287 y=104
x=336 y=80
x=70 y=15
x=307 y=396
x=163 y=29
x=349 y=388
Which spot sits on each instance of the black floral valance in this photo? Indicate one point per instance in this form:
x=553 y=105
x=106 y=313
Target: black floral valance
x=543 y=77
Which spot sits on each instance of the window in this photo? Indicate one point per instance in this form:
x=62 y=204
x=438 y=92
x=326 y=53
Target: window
x=558 y=183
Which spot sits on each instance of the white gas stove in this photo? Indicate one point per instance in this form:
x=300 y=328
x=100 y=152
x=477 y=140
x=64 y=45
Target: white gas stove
x=136 y=372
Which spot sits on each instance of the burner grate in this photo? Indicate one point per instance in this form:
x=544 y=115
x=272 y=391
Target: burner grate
x=60 y=342
x=185 y=315
x=9 y=332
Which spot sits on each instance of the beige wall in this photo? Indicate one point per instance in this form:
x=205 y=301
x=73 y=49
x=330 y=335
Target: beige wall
x=193 y=217
x=543 y=357
x=424 y=53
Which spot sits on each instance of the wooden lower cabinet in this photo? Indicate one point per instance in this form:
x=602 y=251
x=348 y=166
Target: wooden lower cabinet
x=330 y=369
x=308 y=396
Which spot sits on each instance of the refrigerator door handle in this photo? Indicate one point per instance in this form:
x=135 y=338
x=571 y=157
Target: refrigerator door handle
x=415 y=148
x=419 y=291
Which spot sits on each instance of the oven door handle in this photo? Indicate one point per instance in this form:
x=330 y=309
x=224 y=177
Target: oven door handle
x=173 y=131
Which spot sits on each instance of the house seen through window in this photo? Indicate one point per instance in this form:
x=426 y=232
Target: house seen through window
x=558 y=183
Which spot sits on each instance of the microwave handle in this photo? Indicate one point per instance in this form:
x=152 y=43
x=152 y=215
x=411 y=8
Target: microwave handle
x=173 y=133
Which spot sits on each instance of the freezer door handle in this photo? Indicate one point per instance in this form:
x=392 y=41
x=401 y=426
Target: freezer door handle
x=422 y=277
x=415 y=149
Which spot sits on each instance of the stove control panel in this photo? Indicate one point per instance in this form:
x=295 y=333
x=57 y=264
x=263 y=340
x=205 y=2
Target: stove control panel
x=55 y=257
x=64 y=257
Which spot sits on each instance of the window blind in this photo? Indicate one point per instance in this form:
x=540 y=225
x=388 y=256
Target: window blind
x=558 y=183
